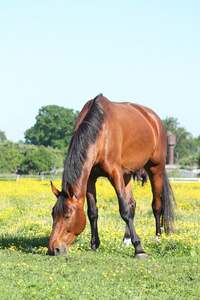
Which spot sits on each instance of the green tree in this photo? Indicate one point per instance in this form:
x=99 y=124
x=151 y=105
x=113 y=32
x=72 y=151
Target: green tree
x=10 y=158
x=2 y=136
x=54 y=126
x=38 y=160
x=196 y=144
x=58 y=157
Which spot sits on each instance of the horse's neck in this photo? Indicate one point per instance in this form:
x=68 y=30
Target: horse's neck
x=80 y=187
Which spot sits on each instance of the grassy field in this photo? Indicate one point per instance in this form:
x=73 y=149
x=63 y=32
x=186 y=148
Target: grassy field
x=172 y=270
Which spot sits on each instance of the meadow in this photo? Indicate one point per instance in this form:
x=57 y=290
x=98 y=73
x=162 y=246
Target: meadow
x=172 y=270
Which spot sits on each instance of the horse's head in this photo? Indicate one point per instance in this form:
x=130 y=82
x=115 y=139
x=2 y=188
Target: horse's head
x=69 y=221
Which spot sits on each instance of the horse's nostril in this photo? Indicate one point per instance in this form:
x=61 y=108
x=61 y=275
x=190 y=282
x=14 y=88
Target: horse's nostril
x=56 y=251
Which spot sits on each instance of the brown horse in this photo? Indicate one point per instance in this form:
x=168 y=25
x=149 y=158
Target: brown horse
x=113 y=140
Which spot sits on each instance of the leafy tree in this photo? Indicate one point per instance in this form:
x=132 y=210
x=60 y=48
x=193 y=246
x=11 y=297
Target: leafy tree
x=2 y=136
x=171 y=124
x=38 y=160
x=58 y=157
x=10 y=158
x=54 y=126
x=196 y=143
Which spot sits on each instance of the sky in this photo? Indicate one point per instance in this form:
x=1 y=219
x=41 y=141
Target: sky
x=67 y=52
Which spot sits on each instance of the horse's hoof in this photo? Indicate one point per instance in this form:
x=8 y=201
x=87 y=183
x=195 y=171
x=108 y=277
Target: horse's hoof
x=141 y=255
x=93 y=248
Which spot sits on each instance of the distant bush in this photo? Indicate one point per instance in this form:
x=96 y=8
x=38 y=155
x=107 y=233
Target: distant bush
x=29 y=158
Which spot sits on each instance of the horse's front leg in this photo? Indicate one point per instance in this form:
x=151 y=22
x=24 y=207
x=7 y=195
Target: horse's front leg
x=92 y=212
x=127 y=211
x=132 y=205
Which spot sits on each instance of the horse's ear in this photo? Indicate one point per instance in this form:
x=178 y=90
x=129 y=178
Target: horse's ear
x=54 y=190
x=70 y=190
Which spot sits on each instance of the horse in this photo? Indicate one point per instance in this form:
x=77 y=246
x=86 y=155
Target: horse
x=112 y=140
x=141 y=174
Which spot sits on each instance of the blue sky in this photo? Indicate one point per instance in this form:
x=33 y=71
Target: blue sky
x=67 y=52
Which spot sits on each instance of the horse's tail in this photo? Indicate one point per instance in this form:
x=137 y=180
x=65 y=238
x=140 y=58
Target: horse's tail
x=168 y=200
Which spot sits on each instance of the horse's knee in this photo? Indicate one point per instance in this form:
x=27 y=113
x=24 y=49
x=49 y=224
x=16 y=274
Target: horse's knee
x=126 y=211
x=93 y=213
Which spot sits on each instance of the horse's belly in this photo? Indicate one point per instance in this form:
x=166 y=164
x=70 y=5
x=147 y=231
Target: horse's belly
x=137 y=150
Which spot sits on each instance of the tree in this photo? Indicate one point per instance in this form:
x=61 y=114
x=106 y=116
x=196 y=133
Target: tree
x=38 y=160
x=10 y=158
x=2 y=136
x=58 y=157
x=54 y=126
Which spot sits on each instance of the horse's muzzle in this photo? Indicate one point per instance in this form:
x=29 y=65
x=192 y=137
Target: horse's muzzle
x=59 y=250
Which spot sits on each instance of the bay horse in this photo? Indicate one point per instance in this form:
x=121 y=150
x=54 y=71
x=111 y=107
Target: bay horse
x=113 y=140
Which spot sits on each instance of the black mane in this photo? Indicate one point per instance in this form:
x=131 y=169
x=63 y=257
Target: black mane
x=82 y=139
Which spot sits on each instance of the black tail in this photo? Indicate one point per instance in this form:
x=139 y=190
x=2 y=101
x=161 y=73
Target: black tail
x=168 y=200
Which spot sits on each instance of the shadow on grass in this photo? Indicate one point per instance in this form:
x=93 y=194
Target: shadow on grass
x=39 y=245
x=35 y=245
x=23 y=244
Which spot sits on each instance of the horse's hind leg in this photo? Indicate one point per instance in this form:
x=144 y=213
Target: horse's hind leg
x=155 y=175
x=125 y=209
x=92 y=212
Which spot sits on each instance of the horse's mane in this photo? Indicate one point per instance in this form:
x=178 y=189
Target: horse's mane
x=82 y=139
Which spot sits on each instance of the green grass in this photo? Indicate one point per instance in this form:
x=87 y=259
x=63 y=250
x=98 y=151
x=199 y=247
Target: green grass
x=98 y=275
x=172 y=270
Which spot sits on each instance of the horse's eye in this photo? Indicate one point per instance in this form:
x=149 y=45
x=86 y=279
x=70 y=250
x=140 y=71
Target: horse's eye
x=67 y=217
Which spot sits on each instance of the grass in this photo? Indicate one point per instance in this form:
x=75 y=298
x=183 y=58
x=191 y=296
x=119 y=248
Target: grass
x=27 y=272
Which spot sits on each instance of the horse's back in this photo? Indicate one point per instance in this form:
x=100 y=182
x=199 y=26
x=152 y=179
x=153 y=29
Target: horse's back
x=133 y=133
